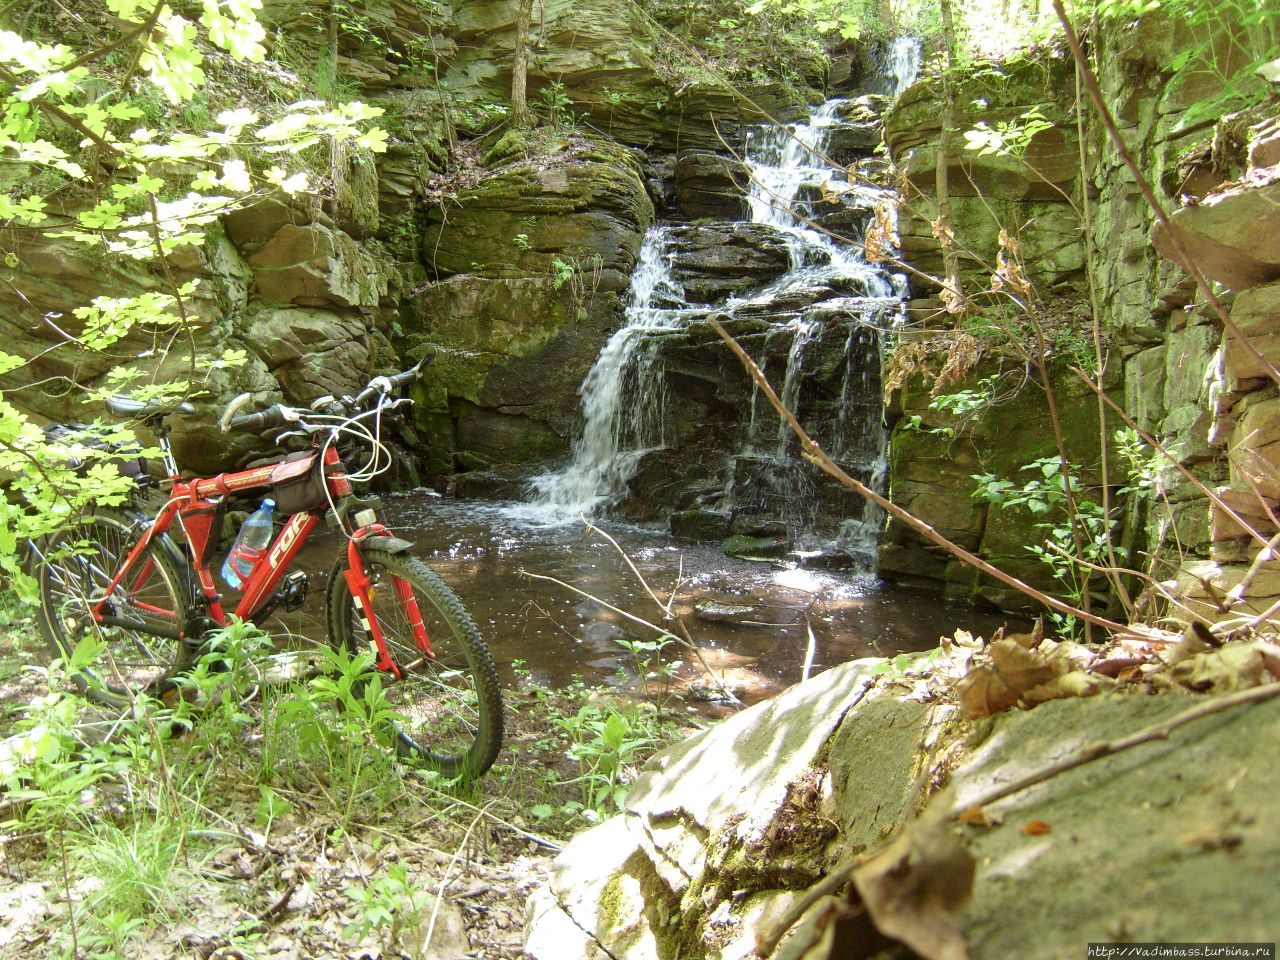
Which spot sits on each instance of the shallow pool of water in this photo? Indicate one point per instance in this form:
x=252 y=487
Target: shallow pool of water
x=751 y=621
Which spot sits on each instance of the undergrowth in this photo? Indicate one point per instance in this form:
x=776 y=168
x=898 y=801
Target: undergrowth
x=142 y=825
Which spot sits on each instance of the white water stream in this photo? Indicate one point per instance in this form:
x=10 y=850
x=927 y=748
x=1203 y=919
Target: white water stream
x=623 y=395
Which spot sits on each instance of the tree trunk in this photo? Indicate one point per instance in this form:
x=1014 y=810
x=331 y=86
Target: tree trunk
x=952 y=296
x=888 y=22
x=521 y=116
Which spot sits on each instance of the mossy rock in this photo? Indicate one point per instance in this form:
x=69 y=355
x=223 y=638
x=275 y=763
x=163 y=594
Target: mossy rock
x=754 y=548
x=581 y=209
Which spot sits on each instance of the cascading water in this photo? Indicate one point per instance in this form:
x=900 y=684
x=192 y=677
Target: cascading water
x=828 y=289
x=897 y=69
x=621 y=397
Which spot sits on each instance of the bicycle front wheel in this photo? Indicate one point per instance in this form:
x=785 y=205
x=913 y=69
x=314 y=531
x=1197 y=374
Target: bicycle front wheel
x=140 y=621
x=447 y=695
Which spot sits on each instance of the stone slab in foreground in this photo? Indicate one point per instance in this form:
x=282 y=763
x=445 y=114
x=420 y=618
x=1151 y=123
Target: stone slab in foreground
x=1176 y=840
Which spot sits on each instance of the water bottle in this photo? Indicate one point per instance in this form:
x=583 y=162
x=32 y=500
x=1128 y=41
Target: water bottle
x=254 y=535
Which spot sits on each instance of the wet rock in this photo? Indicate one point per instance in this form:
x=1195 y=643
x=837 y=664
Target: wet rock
x=754 y=548
x=716 y=261
x=709 y=185
x=872 y=170
x=512 y=349
x=486 y=485
x=839 y=209
x=699 y=524
x=860 y=130
x=724 y=611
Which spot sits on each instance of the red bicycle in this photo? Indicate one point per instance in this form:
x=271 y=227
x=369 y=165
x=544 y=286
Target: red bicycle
x=121 y=576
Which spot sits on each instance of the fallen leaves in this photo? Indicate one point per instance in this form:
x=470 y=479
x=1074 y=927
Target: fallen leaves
x=1026 y=671
x=914 y=888
x=1198 y=663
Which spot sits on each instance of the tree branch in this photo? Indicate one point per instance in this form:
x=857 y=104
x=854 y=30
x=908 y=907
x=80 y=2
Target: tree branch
x=817 y=456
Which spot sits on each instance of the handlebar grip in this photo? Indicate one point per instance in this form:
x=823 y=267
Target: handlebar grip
x=257 y=421
x=414 y=372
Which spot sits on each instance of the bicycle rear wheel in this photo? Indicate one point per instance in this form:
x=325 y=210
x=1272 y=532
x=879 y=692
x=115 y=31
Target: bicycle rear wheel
x=142 y=619
x=449 y=699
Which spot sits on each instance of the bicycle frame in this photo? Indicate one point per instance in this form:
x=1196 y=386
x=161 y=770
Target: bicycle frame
x=195 y=504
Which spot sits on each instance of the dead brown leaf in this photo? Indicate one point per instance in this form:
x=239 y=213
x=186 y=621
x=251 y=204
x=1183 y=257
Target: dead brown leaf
x=1210 y=839
x=915 y=887
x=1233 y=666
x=996 y=686
x=977 y=816
x=983 y=692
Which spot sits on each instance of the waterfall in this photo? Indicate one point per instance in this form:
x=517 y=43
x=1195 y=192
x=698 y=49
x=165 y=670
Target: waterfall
x=827 y=288
x=898 y=66
x=621 y=397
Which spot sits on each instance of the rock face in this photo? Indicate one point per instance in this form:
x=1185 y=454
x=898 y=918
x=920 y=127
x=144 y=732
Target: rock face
x=994 y=191
x=576 y=201
x=716 y=261
x=710 y=186
x=1230 y=235
x=1181 y=379
x=609 y=61
x=530 y=262
x=723 y=832
x=543 y=236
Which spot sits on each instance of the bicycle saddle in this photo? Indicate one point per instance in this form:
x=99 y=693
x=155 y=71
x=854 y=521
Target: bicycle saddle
x=145 y=409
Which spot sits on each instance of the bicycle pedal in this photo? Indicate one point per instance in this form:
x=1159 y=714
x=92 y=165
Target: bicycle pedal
x=293 y=590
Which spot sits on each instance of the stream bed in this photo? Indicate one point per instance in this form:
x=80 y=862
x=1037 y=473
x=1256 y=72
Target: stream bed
x=749 y=619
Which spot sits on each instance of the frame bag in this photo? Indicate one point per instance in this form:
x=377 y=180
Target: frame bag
x=297 y=484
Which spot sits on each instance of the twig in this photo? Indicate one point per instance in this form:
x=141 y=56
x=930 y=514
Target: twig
x=447 y=879
x=1156 y=445
x=817 y=456
x=505 y=824
x=604 y=603
x=842 y=871
x=277 y=908
x=809 y=648
x=1235 y=595
x=1144 y=186
x=1155 y=584
x=1096 y=751
x=685 y=638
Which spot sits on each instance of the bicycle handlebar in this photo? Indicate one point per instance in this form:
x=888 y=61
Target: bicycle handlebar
x=278 y=414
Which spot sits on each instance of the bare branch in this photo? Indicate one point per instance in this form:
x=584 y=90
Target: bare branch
x=817 y=456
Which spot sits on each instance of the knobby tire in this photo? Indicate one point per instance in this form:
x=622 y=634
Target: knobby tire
x=74 y=567
x=452 y=702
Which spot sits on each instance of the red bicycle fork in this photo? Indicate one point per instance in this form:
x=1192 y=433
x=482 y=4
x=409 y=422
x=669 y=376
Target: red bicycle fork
x=361 y=588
